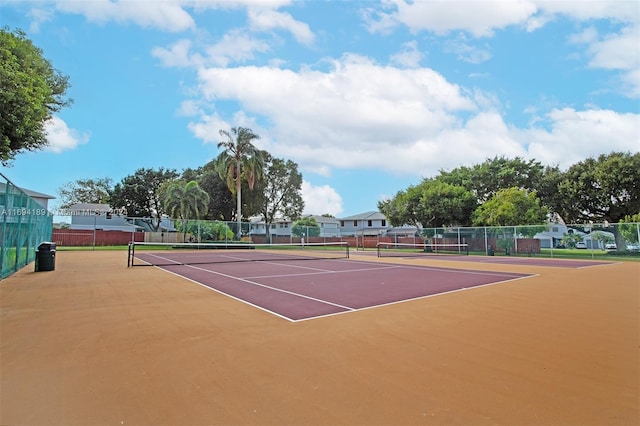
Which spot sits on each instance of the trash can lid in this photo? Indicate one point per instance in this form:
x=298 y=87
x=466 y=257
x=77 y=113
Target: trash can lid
x=47 y=246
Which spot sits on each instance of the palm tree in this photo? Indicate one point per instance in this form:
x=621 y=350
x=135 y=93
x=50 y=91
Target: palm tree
x=239 y=160
x=185 y=201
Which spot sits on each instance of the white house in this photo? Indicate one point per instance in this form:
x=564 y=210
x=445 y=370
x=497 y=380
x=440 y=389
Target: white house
x=329 y=226
x=403 y=231
x=38 y=197
x=369 y=223
x=279 y=228
x=98 y=216
x=102 y=216
x=553 y=236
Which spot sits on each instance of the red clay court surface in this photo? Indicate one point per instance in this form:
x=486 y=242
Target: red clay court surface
x=305 y=289
x=95 y=342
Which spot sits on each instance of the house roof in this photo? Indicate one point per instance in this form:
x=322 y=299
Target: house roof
x=323 y=219
x=93 y=207
x=29 y=192
x=372 y=215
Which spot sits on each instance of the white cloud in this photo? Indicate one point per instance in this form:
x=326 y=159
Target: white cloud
x=615 y=51
x=409 y=57
x=236 y=4
x=190 y=108
x=571 y=136
x=378 y=21
x=585 y=10
x=261 y=19
x=479 y=18
x=38 y=17
x=467 y=52
x=177 y=55
x=62 y=138
x=587 y=35
x=163 y=15
x=208 y=128
x=235 y=46
x=360 y=115
x=321 y=200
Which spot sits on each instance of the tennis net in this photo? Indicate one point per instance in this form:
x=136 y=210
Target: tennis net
x=420 y=249
x=165 y=254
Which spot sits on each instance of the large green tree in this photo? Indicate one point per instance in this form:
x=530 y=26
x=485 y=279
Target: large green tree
x=185 y=200
x=239 y=161
x=141 y=196
x=305 y=226
x=85 y=191
x=221 y=202
x=442 y=204
x=600 y=189
x=31 y=90
x=511 y=207
x=280 y=191
x=487 y=178
x=603 y=189
x=432 y=203
x=629 y=228
x=403 y=208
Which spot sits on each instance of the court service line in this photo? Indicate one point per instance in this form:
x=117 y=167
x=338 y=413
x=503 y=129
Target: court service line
x=321 y=272
x=461 y=271
x=163 y=258
x=604 y=263
x=326 y=302
x=288 y=265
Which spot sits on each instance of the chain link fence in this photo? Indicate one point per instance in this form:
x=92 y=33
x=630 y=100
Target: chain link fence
x=551 y=239
x=25 y=224
x=532 y=240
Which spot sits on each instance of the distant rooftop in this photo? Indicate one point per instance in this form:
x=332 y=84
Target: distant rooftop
x=30 y=193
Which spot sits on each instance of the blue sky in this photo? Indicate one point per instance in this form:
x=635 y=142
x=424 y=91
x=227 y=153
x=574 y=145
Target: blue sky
x=368 y=97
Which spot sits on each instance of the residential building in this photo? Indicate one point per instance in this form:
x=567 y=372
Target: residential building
x=97 y=216
x=38 y=197
x=556 y=232
x=329 y=226
x=364 y=224
x=279 y=228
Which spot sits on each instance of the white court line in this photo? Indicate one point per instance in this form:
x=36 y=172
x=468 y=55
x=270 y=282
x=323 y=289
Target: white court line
x=346 y=308
x=415 y=298
x=228 y=295
x=270 y=288
x=321 y=272
x=605 y=263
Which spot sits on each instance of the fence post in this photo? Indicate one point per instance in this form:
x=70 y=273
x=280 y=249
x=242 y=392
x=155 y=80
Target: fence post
x=486 y=241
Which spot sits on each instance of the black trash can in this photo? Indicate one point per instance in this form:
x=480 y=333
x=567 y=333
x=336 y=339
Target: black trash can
x=490 y=251
x=46 y=257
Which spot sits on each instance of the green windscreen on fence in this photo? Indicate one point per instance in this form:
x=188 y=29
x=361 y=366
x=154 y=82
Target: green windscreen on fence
x=25 y=224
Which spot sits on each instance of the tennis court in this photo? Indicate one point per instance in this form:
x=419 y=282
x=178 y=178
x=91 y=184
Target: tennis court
x=460 y=253
x=95 y=342
x=303 y=282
